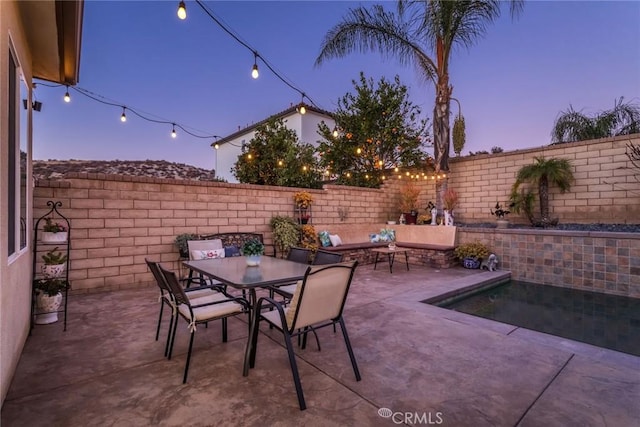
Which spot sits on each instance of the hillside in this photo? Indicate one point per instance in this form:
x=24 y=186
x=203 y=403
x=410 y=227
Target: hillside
x=54 y=169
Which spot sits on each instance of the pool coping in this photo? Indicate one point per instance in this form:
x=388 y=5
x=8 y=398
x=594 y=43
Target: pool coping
x=423 y=301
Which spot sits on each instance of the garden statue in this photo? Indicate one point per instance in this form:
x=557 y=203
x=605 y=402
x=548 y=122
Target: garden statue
x=448 y=217
x=434 y=213
x=490 y=263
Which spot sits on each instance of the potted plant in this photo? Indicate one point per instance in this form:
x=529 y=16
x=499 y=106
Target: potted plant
x=409 y=201
x=48 y=299
x=54 y=263
x=303 y=201
x=449 y=203
x=500 y=213
x=181 y=243
x=471 y=254
x=308 y=237
x=54 y=232
x=286 y=233
x=253 y=249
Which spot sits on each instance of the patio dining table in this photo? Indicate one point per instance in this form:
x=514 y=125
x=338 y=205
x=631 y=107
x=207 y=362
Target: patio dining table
x=235 y=272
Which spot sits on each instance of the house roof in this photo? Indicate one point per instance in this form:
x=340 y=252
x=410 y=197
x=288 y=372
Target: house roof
x=53 y=30
x=291 y=110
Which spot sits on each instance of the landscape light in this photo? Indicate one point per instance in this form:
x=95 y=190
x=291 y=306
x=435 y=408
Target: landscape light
x=182 y=11
x=67 y=97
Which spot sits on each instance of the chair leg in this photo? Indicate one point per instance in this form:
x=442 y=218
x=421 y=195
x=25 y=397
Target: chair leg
x=166 y=346
x=252 y=343
x=160 y=319
x=224 y=329
x=173 y=335
x=354 y=364
x=294 y=370
x=186 y=367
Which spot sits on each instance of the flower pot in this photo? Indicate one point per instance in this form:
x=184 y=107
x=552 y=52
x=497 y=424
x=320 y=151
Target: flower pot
x=253 y=260
x=448 y=217
x=51 y=237
x=47 y=307
x=502 y=223
x=470 y=262
x=51 y=271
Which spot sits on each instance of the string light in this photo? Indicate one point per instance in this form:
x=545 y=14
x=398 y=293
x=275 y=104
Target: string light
x=123 y=117
x=280 y=163
x=67 y=97
x=173 y=132
x=254 y=71
x=358 y=150
x=216 y=146
x=237 y=38
x=182 y=10
x=335 y=132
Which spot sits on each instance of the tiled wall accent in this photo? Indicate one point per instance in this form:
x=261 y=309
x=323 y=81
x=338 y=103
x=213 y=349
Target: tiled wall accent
x=593 y=261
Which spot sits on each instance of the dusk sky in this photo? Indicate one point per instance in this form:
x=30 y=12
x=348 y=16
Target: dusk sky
x=512 y=84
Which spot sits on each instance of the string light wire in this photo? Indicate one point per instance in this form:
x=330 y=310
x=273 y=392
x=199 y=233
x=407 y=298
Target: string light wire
x=257 y=55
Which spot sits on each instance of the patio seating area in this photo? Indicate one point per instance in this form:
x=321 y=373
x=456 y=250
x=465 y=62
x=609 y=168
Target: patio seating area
x=419 y=361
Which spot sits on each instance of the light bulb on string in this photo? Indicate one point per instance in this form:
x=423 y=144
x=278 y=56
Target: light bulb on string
x=335 y=132
x=123 y=117
x=67 y=97
x=216 y=146
x=254 y=71
x=173 y=131
x=302 y=109
x=182 y=11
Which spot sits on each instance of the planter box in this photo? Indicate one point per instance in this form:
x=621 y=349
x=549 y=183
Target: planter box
x=50 y=237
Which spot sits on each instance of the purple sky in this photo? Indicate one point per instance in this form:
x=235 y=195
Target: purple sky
x=512 y=84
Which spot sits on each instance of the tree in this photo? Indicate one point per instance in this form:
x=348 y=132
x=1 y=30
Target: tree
x=622 y=119
x=542 y=173
x=380 y=129
x=423 y=34
x=274 y=157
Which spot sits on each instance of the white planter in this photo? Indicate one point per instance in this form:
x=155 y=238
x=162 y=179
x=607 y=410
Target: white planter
x=448 y=217
x=502 y=223
x=48 y=306
x=50 y=237
x=51 y=271
x=253 y=260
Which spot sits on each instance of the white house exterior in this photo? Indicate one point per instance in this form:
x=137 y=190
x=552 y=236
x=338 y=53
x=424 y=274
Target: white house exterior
x=38 y=39
x=305 y=126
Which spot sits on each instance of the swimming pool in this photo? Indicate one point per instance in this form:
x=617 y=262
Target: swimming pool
x=607 y=321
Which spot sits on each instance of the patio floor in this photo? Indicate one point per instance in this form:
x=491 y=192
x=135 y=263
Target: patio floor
x=424 y=363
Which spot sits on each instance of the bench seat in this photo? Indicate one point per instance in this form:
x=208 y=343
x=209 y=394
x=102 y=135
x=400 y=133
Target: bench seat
x=433 y=246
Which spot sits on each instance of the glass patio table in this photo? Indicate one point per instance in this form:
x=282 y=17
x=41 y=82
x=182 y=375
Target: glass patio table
x=235 y=272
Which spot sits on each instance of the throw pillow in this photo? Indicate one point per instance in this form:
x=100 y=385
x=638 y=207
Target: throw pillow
x=325 y=241
x=387 y=235
x=291 y=309
x=335 y=240
x=374 y=238
x=207 y=254
x=231 y=251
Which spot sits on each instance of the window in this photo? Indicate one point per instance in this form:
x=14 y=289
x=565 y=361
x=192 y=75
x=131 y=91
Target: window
x=17 y=160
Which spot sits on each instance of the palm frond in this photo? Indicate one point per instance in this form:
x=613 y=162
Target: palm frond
x=376 y=30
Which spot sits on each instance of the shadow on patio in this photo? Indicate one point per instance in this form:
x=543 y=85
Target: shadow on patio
x=422 y=362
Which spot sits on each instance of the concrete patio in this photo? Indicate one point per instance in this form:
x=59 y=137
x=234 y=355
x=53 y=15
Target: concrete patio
x=425 y=364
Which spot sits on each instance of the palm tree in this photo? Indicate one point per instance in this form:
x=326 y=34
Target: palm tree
x=622 y=119
x=423 y=34
x=542 y=173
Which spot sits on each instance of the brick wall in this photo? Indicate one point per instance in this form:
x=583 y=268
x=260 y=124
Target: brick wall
x=606 y=189
x=117 y=221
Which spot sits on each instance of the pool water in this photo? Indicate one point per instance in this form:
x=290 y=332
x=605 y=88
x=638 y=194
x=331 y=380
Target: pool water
x=608 y=321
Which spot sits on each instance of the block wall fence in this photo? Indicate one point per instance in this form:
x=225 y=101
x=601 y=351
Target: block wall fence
x=117 y=221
